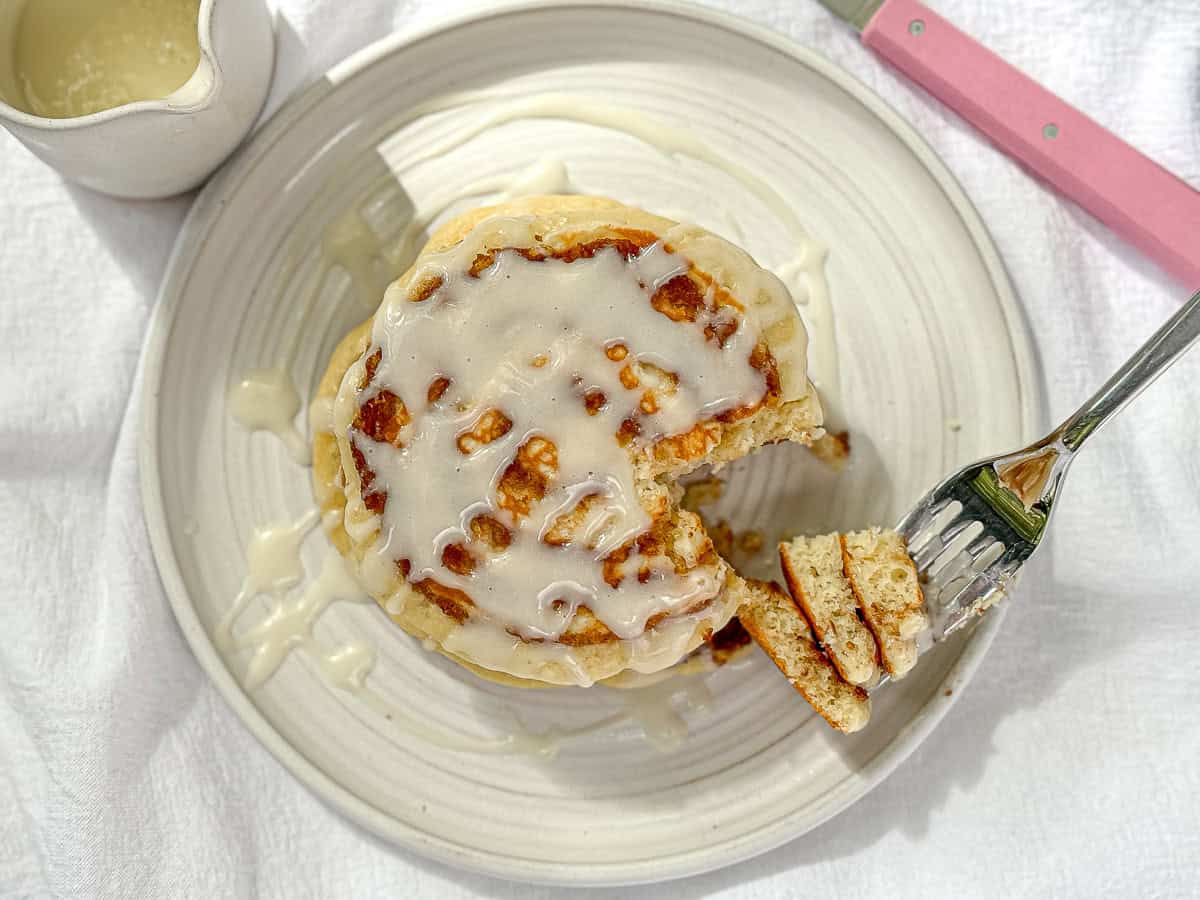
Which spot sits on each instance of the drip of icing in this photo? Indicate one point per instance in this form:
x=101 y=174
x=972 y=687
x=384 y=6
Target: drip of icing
x=331 y=518
x=274 y=555
x=698 y=695
x=267 y=400
x=289 y=622
x=350 y=243
x=805 y=280
x=546 y=176
x=673 y=640
x=652 y=707
x=347 y=667
x=273 y=566
x=320 y=415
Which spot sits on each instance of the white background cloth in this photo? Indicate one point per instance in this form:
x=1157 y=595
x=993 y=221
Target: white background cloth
x=1070 y=767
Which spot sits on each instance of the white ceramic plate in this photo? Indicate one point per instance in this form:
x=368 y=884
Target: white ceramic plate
x=935 y=369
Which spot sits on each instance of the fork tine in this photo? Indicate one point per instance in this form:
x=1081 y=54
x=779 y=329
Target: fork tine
x=984 y=541
x=926 y=520
x=961 y=565
x=955 y=554
x=928 y=552
x=975 y=594
x=916 y=519
x=960 y=607
x=940 y=539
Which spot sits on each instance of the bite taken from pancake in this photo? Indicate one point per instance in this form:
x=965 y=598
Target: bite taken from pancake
x=506 y=433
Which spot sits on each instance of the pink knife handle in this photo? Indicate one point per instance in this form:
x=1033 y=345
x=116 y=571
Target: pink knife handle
x=1137 y=198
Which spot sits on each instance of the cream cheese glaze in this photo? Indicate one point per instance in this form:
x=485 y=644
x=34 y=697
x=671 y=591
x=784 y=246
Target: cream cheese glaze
x=267 y=400
x=480 y=333
x=530 y=340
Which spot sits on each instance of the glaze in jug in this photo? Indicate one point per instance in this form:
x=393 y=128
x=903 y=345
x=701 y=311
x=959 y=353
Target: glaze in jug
x=153 y=147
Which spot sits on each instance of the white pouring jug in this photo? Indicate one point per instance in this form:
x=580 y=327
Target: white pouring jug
x=156 y=148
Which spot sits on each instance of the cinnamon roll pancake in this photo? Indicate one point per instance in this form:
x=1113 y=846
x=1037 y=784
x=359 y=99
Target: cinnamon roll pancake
x=506 y=432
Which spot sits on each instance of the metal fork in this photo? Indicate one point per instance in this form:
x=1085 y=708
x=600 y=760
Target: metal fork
x=971 y=535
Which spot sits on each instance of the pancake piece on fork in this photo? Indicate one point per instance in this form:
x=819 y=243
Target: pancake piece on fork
x=780 y=628
x=815 y=574
x=885 y=583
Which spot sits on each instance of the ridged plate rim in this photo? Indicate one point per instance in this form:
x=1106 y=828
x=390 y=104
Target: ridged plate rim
x=192 y=236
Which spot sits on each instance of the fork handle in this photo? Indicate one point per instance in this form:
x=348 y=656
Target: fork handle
x=1164 y=347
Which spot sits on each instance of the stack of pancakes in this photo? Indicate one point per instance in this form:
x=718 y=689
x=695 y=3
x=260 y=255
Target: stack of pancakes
x=715 y=297
x=508 y=430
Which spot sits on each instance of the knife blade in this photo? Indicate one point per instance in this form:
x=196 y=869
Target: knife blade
x=1138 y=199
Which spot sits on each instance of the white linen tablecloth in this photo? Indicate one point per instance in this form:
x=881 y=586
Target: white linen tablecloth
x=1069 y=768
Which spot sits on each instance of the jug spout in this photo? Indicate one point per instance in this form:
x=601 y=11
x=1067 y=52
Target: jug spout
x=152 y=147
x=199 y=90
